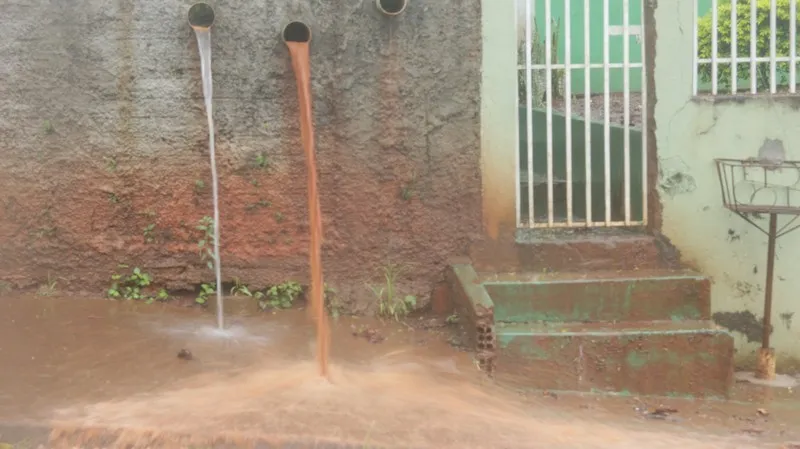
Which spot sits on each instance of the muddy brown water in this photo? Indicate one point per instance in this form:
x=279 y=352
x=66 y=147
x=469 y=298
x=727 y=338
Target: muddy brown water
x=81 y=365
x=301 y=64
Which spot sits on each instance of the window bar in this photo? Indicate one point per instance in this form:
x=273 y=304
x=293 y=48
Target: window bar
x=773 y=29
x=644 y=110
x=606 y=114
x=529 y=106
x=568 y=101
x=714 y=46
x=587 y=107
x=734 y=48
x=626 y=110
x=753 y=48
x=518 y=184
x=793 y=46
x=548 y=55
x=695 y=50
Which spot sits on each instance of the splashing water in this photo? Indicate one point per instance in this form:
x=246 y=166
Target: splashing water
x=204 y=44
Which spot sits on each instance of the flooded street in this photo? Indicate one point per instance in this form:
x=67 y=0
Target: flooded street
x=162 y=376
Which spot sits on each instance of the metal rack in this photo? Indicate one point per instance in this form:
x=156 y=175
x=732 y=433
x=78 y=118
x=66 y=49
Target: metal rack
x=750 y=188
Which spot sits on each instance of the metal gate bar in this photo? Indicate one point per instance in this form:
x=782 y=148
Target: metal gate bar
x=533 y=174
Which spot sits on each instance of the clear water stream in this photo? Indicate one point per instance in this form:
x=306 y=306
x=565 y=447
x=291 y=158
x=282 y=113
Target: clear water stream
x=204 y=44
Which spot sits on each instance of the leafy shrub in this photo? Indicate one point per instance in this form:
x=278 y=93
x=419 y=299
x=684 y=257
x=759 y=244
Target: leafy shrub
x=279 y=296
x=724 y=44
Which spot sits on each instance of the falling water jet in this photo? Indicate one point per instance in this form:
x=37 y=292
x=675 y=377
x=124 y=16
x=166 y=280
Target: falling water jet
x=297 y=37
x=201 y=17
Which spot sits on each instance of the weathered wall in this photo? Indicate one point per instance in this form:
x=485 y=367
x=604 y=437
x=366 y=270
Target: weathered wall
x=690 y=134
x=103 y=133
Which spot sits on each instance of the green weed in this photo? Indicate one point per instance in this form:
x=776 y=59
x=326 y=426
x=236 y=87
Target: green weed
x=240 y=288
x=206 y=242
x=262 y=161
x=49 y=288
x=390 y=303
x=280 y=296
x=452 y=319
x=48 y=128
x=149 y=236
x=132 y=286
x=199 y=185
x=333 y=302
x=111 y=163
x=6 y=287
x=279 y=217
x=261 y=203
x=206 y=290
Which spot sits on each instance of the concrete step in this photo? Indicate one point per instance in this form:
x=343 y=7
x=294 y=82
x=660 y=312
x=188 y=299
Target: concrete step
x=643 y=295
x=574 y=250
x=692 y=358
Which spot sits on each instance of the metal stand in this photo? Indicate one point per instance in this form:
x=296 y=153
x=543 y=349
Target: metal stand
x=753 y=177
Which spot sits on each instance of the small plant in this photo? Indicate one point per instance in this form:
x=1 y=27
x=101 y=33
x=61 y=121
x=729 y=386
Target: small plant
x=261 y=203
x=206 y=290
x=254 y=182
x=240 y=289
x=199 y=185
x=111 y=163
x=262 y=161
x=390 y=304
x=279 y=217
x=163 y=295
x=332 y=302
x=48 y=128
x=408 y=189
x=130 y=286
x=452 y=319
x=279 y=296
x=49 y=287
x=206 y=242
x=149 y=236
x=763 y=11
x=113 y=198
x=46 y=231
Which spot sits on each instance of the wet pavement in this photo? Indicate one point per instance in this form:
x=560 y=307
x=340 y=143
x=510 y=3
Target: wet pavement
x=160 y=375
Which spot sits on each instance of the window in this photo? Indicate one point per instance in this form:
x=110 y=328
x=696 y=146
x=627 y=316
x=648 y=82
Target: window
x=745 y=46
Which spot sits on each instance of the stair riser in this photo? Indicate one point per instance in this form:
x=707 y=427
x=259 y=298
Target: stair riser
x=697 y=364
x=650 y=299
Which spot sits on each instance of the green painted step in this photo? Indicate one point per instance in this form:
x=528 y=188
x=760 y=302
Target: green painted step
x=692 y=358
x=599 y=296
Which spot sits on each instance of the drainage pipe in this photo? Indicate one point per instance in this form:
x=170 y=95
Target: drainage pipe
x=391 y=7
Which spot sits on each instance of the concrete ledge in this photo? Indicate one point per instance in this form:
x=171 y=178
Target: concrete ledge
x=655 y=358
x=600 y=296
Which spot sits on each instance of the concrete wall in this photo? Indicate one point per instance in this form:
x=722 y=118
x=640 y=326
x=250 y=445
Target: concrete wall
x=690 y=134
x=103 y=134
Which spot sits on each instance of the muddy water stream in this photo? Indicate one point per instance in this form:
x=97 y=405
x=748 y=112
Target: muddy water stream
x=297 y=37
x=204 y=44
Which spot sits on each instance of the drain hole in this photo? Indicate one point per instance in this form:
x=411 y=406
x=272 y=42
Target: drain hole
x=201 y=15
x=392 y=7
x=297 y=32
